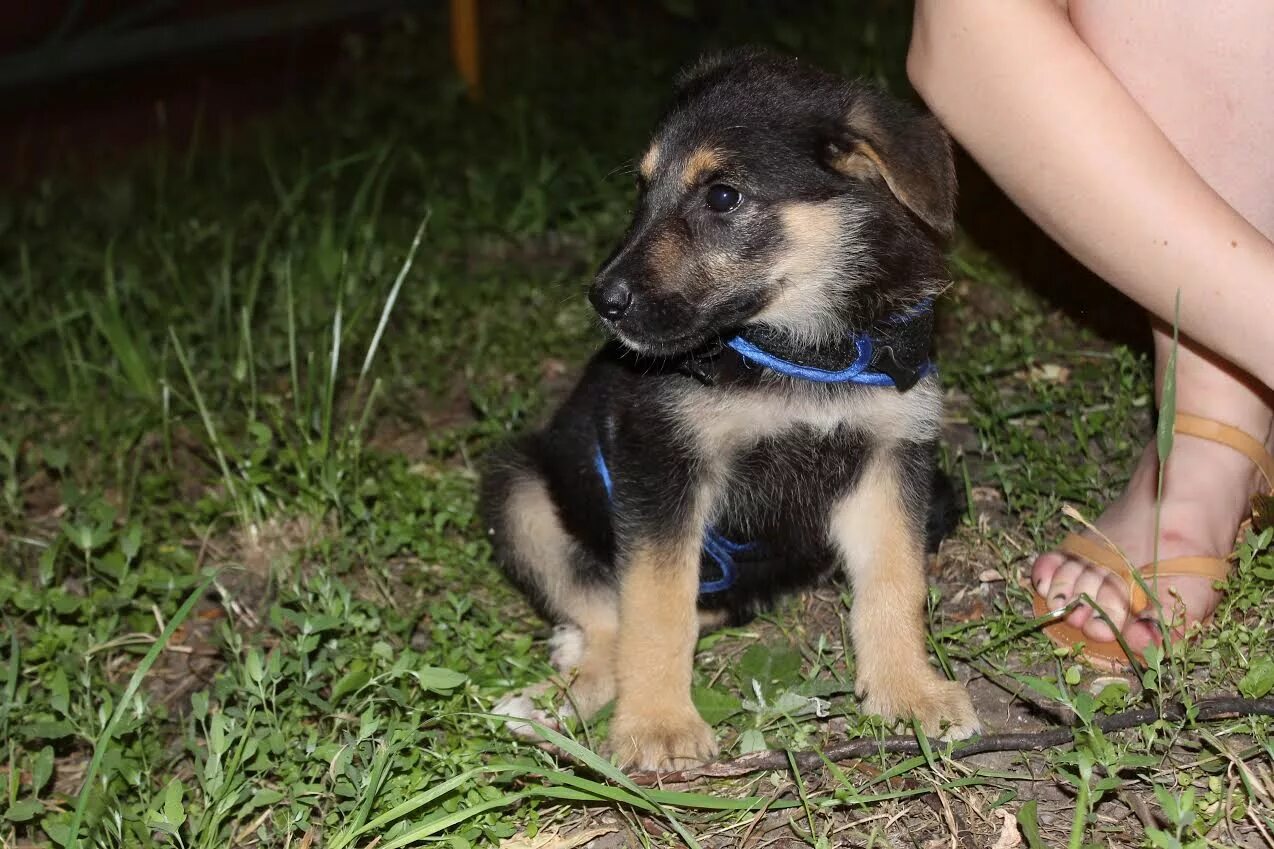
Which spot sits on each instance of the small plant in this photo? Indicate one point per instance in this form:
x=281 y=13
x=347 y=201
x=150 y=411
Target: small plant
x=1179 y=811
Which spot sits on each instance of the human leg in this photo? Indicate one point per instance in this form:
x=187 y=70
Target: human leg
x=1052 y=120
x=1193 y=73
x=1136 y=135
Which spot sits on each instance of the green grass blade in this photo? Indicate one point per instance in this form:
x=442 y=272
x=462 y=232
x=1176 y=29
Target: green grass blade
x=601 y=792
x=392 y=299
x=1168 y=404
x=580 y=753
x=925 y=750
x=358 y=211
x=704 y=802
x=603 y=767
x=11 y=682
x=418 y=801
x=210 y=428
x=294 y=365
x=1029 y=821
x=128 y=351
x=375 y=782
x=139 y=674
x=1167 y=416
x=329 y=389
x=433 y=826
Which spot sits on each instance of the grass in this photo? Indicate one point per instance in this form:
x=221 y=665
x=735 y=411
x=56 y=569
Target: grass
x=245 y=600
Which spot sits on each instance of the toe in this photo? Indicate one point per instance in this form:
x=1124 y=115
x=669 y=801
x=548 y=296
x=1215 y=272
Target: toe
x=1184 y=601
x=1046 y=566
x=1140 y=634
x=1112 y=597
x=1086 y=586
x=1061 y=589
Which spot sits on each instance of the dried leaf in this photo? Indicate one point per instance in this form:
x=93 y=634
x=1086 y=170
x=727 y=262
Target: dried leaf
x=974 y=611
x=1009 y=837
x=1262 y=512
x=986 y=493
x=1051 y=373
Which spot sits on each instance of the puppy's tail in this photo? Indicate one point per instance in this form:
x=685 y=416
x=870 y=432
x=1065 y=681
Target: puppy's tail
x=945 y=506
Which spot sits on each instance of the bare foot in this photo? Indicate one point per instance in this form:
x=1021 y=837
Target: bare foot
x=1206 y=494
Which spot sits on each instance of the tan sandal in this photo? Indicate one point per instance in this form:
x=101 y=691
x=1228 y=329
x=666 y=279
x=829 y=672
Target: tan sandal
x=1111 y=655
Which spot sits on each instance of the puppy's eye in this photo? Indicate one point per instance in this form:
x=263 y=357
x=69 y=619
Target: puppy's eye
x=722 y=198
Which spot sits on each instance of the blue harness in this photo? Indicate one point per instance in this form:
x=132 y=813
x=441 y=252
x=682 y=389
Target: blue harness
x=865 y=370
x=717 y=547
x=872 y=366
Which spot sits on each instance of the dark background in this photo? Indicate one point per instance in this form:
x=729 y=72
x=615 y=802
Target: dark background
x=158 y=71
x=155 y=67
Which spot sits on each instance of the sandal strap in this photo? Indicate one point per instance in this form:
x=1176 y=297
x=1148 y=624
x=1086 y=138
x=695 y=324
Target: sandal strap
x=1105 y=557
x=1216 y=568
x=1231 y=437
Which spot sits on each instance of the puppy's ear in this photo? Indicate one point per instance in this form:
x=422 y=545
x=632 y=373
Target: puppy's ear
x=879 y=137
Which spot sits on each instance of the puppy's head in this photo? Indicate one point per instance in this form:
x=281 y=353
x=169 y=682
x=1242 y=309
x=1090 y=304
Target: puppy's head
x=774 y=193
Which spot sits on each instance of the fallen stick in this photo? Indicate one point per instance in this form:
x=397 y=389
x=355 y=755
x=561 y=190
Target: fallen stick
x=1208 y=710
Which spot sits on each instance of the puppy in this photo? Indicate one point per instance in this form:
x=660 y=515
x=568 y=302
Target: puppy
x=765 y=413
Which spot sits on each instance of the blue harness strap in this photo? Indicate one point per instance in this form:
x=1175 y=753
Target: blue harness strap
x=719 y=549
x=853 y=373
x=859 y=371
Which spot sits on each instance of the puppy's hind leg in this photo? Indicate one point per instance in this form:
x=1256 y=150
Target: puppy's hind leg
x=543 y=559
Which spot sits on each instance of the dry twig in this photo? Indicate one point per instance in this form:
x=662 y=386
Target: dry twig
x=1208 y=710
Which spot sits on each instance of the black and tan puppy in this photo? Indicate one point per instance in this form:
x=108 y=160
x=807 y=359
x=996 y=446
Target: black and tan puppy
x=766 y=412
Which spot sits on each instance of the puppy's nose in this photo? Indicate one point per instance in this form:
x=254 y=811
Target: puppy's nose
x=611 y=298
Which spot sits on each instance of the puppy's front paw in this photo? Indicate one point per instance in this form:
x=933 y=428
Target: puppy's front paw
x=673 y=741
x=943 y=707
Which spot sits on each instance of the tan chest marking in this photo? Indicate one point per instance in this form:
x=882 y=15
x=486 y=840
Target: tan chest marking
x=721 y=424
